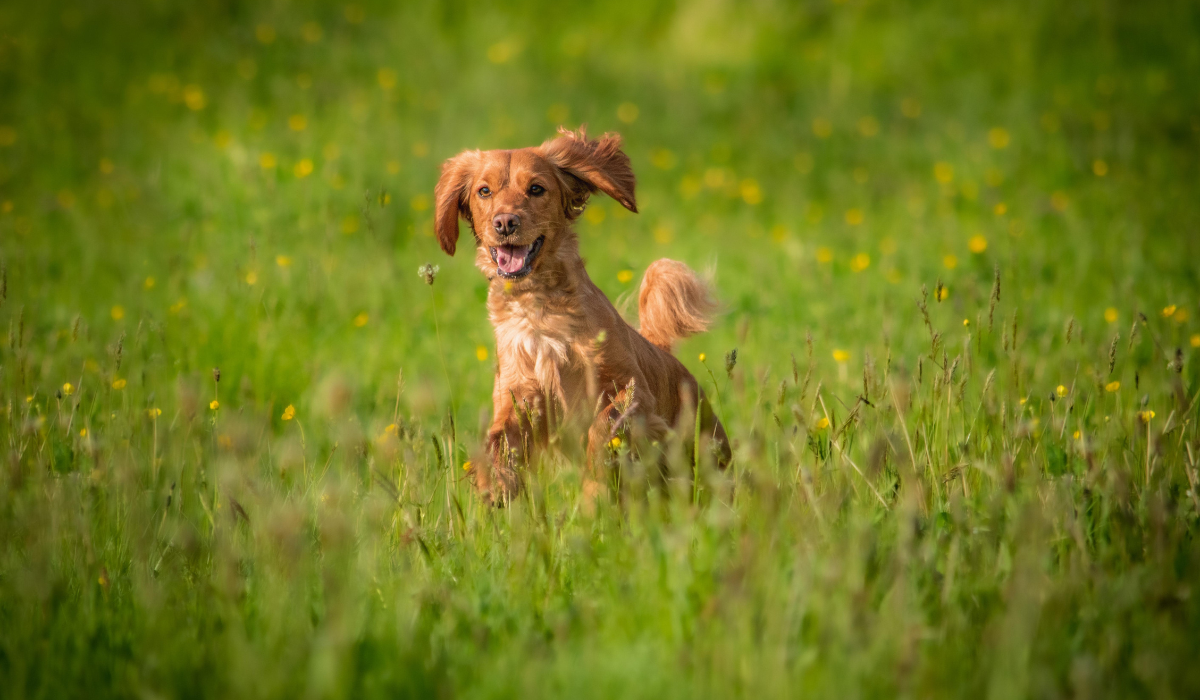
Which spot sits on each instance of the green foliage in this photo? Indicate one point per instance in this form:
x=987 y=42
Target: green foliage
x=956 y=252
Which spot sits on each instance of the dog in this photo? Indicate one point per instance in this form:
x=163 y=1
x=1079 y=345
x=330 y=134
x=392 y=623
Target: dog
x=563 y=351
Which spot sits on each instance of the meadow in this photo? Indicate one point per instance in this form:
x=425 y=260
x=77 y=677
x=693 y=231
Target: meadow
x=956 y=251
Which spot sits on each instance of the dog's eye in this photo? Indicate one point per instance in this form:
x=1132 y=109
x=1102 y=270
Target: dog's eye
x=484 y=191
x=537 y=190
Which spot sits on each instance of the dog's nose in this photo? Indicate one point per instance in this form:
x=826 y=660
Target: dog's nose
x=506 y=224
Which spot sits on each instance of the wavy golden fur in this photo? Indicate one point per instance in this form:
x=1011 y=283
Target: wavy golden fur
x=563 y=351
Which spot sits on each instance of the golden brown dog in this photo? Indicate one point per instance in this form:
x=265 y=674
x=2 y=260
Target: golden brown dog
x=562 y=349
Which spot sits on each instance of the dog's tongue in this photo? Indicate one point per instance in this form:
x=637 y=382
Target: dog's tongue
x=511 y=258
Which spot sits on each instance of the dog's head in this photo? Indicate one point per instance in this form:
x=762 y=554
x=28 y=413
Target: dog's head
x=520 y=203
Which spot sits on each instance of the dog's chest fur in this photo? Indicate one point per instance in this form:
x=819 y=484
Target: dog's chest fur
x=537 y=343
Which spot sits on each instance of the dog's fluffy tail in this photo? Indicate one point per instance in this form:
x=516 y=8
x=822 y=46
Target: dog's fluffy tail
x=673 y=303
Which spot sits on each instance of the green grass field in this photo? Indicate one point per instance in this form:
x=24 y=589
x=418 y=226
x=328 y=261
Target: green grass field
x=958 y=256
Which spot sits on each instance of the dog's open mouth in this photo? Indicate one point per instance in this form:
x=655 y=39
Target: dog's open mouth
x=516 y=261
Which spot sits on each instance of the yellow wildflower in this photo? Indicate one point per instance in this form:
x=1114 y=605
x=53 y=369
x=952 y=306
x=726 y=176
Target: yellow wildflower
x=118 y=384
x=998 y=137
x=625 y=276
x=823 y=423
x=966 y=321
x=361 y=320
x=467 y=466
x=943 y=293
x=1111 y=314
x=943 y=172
x=627 y=112
x=68 y=389
x=283 y=260
x=841 y=356
x=950 y=261
x=1145 y=416
x=1112 y=387
x=1099 y=167
x=702 y=357
x=1060 y=390
x=267 y=161
x=149 y=283
x=154 y=412
x=289 y=412
x=1196 y=340
x=214 y=404
x=303 y=168
x=977 y=244
x=117 y=313
x=854 y=217
x=1076 y=434
x=824 y=255
x=860 y=262
x=1168 y=311
x=614 y=443
x=481 y=353
x=252 y=278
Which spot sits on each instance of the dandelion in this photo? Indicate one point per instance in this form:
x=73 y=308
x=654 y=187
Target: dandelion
x=614 y=443
x=950 y=261
x=625 y=276
x=428 y=272
x=283 y=261
x=977 y=244
x=824 y=255
x=68 y=389
x=117 y=312
x=194 y=98
x=860 y=262
x=841 y=356
x=1060 y=390
x=481 y=353
x=703 y=357
x=751 y=192
x=1168 y=311
x=303 y=168
x=966 y=321
x=119 y=384
x=1111 y=314
x=1145 y=416
x=823 y=423
x=289 y=412
x=214 y=404
x=361 y=320
x=1112 y=387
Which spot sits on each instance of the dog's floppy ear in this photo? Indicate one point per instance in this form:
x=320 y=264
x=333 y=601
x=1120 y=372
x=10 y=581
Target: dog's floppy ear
x=451 y=198
x=591 y=165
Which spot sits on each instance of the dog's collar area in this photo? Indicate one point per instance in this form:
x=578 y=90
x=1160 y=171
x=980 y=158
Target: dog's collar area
x=516 y=261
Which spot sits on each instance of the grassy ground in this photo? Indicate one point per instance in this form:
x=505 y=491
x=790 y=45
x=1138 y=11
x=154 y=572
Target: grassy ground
x=956 y=249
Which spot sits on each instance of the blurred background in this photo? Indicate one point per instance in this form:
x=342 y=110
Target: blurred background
x=253 y=181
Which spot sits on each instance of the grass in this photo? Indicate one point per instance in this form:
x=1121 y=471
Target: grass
x=956 y=251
